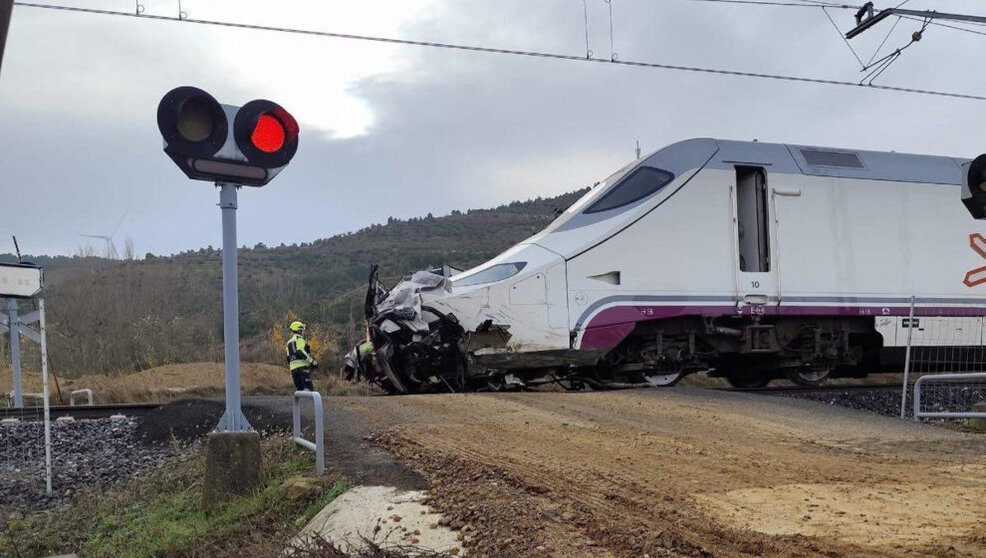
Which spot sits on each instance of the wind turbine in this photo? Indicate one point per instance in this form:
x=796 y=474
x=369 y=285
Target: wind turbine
x=111 y=252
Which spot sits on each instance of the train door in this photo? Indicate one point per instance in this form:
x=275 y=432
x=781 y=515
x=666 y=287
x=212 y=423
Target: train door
x=756 y=276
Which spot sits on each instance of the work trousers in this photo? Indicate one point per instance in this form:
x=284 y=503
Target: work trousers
x=302 y=379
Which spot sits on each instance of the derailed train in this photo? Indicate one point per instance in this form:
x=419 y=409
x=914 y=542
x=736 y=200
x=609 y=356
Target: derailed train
x=752 y=261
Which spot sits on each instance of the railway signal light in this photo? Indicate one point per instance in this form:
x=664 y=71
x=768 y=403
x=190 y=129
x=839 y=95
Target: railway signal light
x=974 y=186
x=245 y=145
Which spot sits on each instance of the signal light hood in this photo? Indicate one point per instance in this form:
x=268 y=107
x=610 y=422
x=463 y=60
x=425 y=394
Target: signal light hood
x=192 y=122
x=974 y=186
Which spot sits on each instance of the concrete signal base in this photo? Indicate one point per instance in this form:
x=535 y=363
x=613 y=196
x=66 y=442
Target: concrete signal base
x=232 y=466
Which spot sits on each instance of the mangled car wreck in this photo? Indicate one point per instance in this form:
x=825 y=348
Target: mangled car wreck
x=434 y=331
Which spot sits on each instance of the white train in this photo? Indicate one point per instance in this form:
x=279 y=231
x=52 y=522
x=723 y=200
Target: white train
x=752 y=261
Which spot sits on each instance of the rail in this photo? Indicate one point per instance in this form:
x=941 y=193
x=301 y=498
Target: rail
x=87 y=392
x=81 y=411
x=977 y=377
x=318 y=446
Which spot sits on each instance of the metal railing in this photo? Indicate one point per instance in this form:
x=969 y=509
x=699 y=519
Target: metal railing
x=972 y=377
x=87 y=392
x=318 y=446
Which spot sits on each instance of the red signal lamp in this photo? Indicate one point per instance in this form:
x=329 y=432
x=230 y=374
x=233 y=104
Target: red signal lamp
x=266 y=133
x=198 y=137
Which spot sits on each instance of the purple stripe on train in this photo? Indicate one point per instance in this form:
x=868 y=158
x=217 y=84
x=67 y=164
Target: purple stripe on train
x=607 y=328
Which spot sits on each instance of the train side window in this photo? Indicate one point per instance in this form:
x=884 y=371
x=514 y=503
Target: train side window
x=752 y=219
x=636 y=186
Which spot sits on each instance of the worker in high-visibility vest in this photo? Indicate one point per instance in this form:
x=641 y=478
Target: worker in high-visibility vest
x=357 y=363
x=300 y=360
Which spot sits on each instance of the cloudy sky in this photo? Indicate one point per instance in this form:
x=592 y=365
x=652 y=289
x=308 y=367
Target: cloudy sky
x=401 y=131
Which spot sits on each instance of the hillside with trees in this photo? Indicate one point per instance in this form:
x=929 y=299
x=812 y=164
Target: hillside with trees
x=107 y=316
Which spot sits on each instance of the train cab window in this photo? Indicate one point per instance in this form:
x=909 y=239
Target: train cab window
x=636 y=186
x=491 y=274
x=752 y=219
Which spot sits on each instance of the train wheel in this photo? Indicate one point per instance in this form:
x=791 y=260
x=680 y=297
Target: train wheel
x=663 y=380
x=747 y=381
x=809 y=376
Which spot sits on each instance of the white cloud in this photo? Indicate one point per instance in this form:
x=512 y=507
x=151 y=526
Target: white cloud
x=401 y=131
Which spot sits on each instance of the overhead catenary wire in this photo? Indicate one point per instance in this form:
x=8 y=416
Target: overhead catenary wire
x=512 y=52
x=782 y=4
x=883 y=42
x=842 y=36
x=957 y=28
x=882 y=64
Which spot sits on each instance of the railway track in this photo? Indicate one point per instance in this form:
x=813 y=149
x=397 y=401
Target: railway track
x=80 y=411
x=141 y=409
x=813 y=389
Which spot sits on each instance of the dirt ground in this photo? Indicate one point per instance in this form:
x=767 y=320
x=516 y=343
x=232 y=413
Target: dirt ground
x=683 y=472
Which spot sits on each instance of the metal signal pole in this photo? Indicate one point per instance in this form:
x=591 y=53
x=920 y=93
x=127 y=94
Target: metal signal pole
x=233 y=419
x=6 y=8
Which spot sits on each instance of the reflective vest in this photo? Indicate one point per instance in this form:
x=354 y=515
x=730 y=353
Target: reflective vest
x=364 y=349
x=298 y=355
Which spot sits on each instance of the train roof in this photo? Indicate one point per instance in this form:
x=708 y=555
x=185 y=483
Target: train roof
x=820 y=161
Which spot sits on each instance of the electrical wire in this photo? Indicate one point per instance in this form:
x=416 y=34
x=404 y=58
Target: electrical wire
x=967 y=30
x=783 y=4
x=883 y=42
x=491 y=50
x=885 y=62
x=843 y=37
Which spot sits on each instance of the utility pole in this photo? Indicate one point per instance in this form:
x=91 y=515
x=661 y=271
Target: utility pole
x=867 y=17
x=6 y=7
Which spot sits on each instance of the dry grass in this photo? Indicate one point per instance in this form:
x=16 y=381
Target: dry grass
x=180 y=381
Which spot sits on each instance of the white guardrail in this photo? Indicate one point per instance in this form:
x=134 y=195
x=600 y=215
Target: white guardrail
x=978 y=377
x=318 y=446
x=87 y=392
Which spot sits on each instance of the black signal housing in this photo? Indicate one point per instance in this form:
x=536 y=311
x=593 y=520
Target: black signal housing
x=185 y=110
x=246 y=145
x=974 y=186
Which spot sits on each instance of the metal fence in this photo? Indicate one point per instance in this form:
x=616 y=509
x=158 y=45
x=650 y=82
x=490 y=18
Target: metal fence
x=318 y=446
x=945 y=358
x=950 y=396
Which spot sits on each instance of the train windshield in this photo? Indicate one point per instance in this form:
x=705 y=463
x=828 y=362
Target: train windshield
x=491 y=274
x=639 y=184
x=589 y=197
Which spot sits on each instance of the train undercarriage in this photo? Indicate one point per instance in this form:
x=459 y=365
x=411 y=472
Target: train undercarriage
x=416 y=348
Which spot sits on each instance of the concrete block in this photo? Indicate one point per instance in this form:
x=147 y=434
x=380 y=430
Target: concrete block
x=977 y=424
x=10 y=421
x=65 y=419
x=116 y=418
x=232 y=466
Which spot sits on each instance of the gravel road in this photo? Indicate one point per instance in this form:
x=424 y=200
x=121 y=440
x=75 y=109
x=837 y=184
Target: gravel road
x=683 y=472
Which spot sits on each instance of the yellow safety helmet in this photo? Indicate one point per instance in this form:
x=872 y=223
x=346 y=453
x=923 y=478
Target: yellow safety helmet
x=297 y=327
